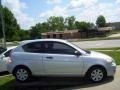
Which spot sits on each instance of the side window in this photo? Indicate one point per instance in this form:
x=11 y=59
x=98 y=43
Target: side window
x=59 y=48
x=35 y=47
x=7 y=54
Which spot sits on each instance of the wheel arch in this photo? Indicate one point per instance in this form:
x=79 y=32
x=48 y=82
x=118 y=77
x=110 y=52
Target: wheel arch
x=95 y=66
x=18 y=66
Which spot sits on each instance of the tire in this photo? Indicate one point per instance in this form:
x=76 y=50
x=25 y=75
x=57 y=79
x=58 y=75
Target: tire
x=22 y=74
x=97 y=74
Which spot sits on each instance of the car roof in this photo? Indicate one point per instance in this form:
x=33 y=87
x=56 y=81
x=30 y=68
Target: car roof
x=36 y=40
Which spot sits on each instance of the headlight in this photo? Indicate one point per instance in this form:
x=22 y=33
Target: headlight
x=112 y=61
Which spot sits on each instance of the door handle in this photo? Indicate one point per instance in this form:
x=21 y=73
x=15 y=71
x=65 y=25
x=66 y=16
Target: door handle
x=49 y=57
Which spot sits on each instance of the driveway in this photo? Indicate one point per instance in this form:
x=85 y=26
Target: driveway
x=98 y=43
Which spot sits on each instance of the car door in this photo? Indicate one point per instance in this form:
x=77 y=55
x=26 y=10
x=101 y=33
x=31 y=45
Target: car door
x=32 y=56
x=60 y=59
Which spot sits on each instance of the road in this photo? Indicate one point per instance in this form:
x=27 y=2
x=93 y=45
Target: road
x=98 y=44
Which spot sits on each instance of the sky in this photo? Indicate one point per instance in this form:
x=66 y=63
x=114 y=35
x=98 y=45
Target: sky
x=30 y=12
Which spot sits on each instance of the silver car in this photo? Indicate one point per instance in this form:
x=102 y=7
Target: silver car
x=56 y=57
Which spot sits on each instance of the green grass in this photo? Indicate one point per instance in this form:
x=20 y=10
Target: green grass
x=7 y=83
x=114 y=54
x=115 y=31
x=114 y=48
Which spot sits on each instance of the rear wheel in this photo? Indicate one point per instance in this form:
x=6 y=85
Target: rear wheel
x=97 y=74
x=22 y=74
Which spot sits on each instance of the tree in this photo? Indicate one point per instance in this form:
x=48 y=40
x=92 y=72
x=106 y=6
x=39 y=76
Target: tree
x=44 y=27
x=35 y=31
x=24 y=34
x=101 y=22
x=11 y=26
x=84 y=25
x=70 y=21
x=56 y=23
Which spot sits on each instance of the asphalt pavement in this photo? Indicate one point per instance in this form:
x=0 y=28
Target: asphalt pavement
x=98 y=43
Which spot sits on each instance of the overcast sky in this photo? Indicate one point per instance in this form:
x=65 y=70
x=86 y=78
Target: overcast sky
x=30 y=12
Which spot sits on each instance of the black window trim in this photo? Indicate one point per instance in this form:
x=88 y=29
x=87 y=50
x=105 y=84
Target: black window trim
x=64 y=44
x=48 y=52
x=31 y=43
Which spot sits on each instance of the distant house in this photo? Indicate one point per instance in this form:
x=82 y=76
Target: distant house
x=105 y=28
x=103 y=31
x=67 y=34
x=74 y=34
x=114 y=25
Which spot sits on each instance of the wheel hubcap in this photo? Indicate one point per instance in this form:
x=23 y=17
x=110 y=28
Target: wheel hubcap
x=97 y=75
x=22 y=74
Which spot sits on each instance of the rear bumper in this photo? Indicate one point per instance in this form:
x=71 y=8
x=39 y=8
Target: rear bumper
x=111 y=70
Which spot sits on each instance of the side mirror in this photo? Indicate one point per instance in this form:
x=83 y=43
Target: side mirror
x=77 y=53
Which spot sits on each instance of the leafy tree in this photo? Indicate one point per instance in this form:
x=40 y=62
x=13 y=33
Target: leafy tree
x=24 y=34
x=55 y=23
x=11 y=26
x=101 y=21
x=84 y=25
x=44 y=27
x=70 y=21
x=35 y=31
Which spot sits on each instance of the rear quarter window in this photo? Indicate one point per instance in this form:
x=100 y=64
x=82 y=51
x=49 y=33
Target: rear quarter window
x=35 y=47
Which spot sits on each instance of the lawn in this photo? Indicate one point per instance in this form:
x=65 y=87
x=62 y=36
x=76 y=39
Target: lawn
x=7 y=83
x=114 y=48
x=113 y=54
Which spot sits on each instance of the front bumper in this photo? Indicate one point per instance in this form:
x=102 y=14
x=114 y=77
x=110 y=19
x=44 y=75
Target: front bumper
x=111 y=70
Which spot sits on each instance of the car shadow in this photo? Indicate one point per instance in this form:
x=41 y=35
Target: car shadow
x=55 y=83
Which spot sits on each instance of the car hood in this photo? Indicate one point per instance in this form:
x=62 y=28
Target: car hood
x=101 y=55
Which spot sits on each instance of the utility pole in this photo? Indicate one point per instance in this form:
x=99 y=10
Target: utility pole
x=3 y=24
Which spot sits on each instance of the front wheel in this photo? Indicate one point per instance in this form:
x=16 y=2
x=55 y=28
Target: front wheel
x=97 y=74
x=22 y=74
